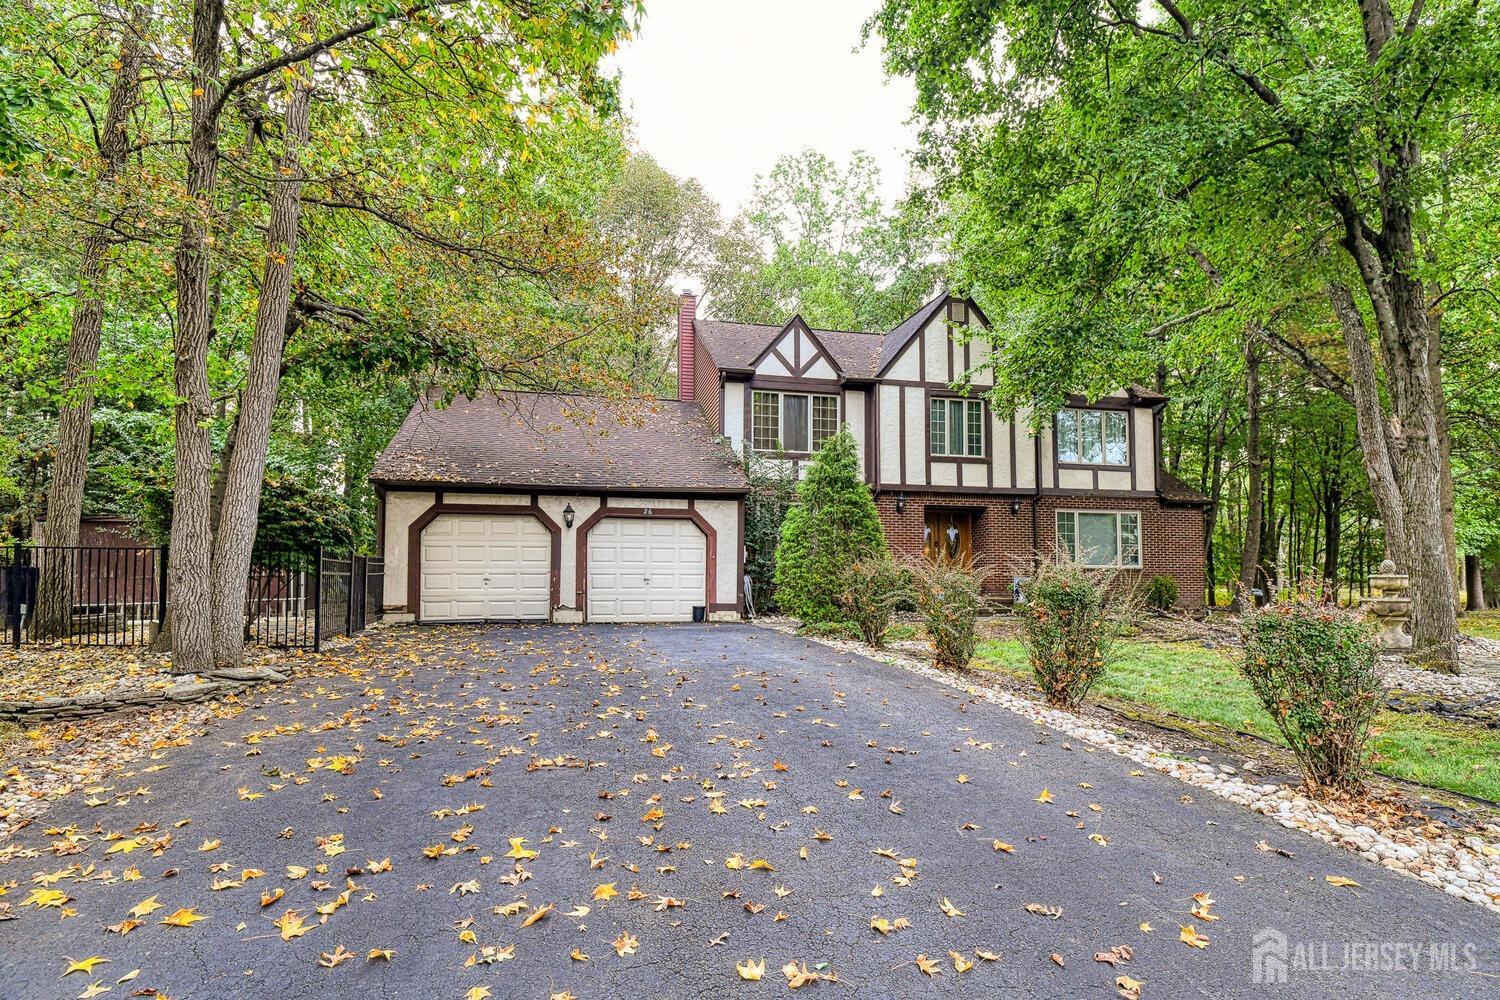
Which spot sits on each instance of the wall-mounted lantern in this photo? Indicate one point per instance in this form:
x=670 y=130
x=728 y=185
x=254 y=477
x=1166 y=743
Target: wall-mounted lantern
x=1015 y=505
x=900 y=503
x=568 y=515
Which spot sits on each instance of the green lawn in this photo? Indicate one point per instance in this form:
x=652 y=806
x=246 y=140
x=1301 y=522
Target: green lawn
x=1485 y=624
x=1205 y=685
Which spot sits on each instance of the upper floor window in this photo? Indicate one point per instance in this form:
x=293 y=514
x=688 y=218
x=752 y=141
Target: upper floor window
x=956 y=427
x=1100 y=539
x=793 y=422
x=1093 y=437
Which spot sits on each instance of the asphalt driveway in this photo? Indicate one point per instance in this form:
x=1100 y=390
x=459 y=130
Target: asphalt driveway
x=712 y=795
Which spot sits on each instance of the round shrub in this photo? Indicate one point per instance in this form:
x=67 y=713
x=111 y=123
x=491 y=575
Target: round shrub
x=1161 y=593
x=948 y=596
x=1312 y=665
x=1068 y=623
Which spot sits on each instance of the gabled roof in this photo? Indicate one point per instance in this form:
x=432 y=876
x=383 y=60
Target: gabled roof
x=555 y=441
x=737 y=346
x=797 y=322
x=898 y=338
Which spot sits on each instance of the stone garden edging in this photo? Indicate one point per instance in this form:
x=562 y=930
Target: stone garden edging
x=131 y=694
x=1466 y=867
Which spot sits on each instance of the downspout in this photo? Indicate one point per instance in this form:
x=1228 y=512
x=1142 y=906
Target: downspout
x=1036 y=502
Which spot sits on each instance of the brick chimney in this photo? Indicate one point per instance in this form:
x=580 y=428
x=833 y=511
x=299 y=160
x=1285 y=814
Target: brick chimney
x=687 y=343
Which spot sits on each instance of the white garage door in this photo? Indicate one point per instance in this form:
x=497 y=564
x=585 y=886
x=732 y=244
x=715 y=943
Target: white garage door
x=645 y=570
x=485 y=566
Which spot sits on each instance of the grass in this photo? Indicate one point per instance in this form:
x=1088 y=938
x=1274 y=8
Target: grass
x=1205 y=685
x=1485 y=624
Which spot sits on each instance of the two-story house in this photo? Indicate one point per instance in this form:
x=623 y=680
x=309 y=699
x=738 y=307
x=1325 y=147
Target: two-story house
x=517 y=506
x=948 y=473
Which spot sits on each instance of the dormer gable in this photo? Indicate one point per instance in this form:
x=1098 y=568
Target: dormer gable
x=796 y=352
x=956 y=310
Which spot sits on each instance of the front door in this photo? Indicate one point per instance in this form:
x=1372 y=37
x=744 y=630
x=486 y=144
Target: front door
x=949 y=534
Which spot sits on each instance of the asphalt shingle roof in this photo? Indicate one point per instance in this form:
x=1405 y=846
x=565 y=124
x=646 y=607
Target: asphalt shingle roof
x=563 y=442
x=737 y=345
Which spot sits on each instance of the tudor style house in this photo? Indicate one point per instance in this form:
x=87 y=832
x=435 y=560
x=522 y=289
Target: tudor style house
x=949 y=474
x=522 y=506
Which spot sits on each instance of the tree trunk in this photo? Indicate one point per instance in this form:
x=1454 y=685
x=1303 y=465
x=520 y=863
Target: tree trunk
x=1333 y=512
x=1370 y=422
x=1255 y=493
x=1474 y=582
x=192 y=538
x=241 y=504
x=1215 y=492
x=75 y=416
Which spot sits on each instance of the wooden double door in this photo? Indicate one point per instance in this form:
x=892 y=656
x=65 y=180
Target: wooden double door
x=948 y=534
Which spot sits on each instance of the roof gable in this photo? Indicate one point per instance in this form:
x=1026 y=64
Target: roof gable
x=897 y=339
x=789 y=348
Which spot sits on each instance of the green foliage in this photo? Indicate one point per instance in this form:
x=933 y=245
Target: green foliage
x=832 y=525
x=873 y=589
x=1313 y=668
x=816 y=240
x=1161 y=593
x=773 y=490
x=294 y=516
x=949 y=596
x=1069 y=622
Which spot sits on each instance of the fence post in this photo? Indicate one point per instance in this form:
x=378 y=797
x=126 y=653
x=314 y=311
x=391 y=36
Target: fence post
x=349 y=599
x=13 y=611
x=161 y=587
x=318 y=606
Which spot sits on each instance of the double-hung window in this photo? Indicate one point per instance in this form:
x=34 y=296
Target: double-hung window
x=1100 y=539
x=792 y=422
x=956 y=427
x=1093 y=437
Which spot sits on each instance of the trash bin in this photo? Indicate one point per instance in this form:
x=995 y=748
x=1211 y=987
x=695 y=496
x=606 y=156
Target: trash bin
x=700 y=613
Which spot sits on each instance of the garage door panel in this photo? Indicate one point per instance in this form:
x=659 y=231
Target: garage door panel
x=486 y=566
x=644 y=570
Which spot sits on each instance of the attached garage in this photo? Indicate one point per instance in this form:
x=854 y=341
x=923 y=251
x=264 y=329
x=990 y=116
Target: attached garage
x=486 y=567
x=646 y=569
x=538 y=507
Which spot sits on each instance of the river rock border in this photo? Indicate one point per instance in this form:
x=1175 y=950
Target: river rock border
x=1466 y=866
x=131 y=694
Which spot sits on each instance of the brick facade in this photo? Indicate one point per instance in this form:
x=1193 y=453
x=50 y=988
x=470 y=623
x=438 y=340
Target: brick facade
x=1171 y=536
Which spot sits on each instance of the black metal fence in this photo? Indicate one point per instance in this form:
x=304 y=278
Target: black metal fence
x=118 y=595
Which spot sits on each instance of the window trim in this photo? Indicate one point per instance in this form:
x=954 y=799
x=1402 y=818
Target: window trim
x=1103 y=412
x=1140 y=539
x=781 y=396
x=947 y=399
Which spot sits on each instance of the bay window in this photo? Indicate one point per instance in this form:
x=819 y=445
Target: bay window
x=1100 y=539
x=956 y=427
x=793 y=422
x=1093 y=437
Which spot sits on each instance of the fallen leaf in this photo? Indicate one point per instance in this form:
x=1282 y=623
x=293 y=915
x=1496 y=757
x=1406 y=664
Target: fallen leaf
x=84 y=965
x=337 y=957
x=626 y=944
x=1340 y=880
x=927 y=965
x=1189 y=936
x=751 y=969
x=185 y=917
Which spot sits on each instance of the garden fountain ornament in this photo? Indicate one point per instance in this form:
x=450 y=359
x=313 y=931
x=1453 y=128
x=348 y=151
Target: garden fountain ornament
x=1391 y=607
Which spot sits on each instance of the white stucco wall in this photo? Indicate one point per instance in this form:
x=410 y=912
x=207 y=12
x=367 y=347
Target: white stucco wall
x=734 y=414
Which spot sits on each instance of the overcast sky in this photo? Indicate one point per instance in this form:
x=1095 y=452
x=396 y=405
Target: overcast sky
x=718 y=90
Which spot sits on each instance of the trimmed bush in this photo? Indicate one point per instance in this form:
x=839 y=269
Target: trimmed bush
x=1161 y=593
x=832 y=526
x=873 y=588
x=1312 y=665
x=947 y=596
x=1069 y=622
